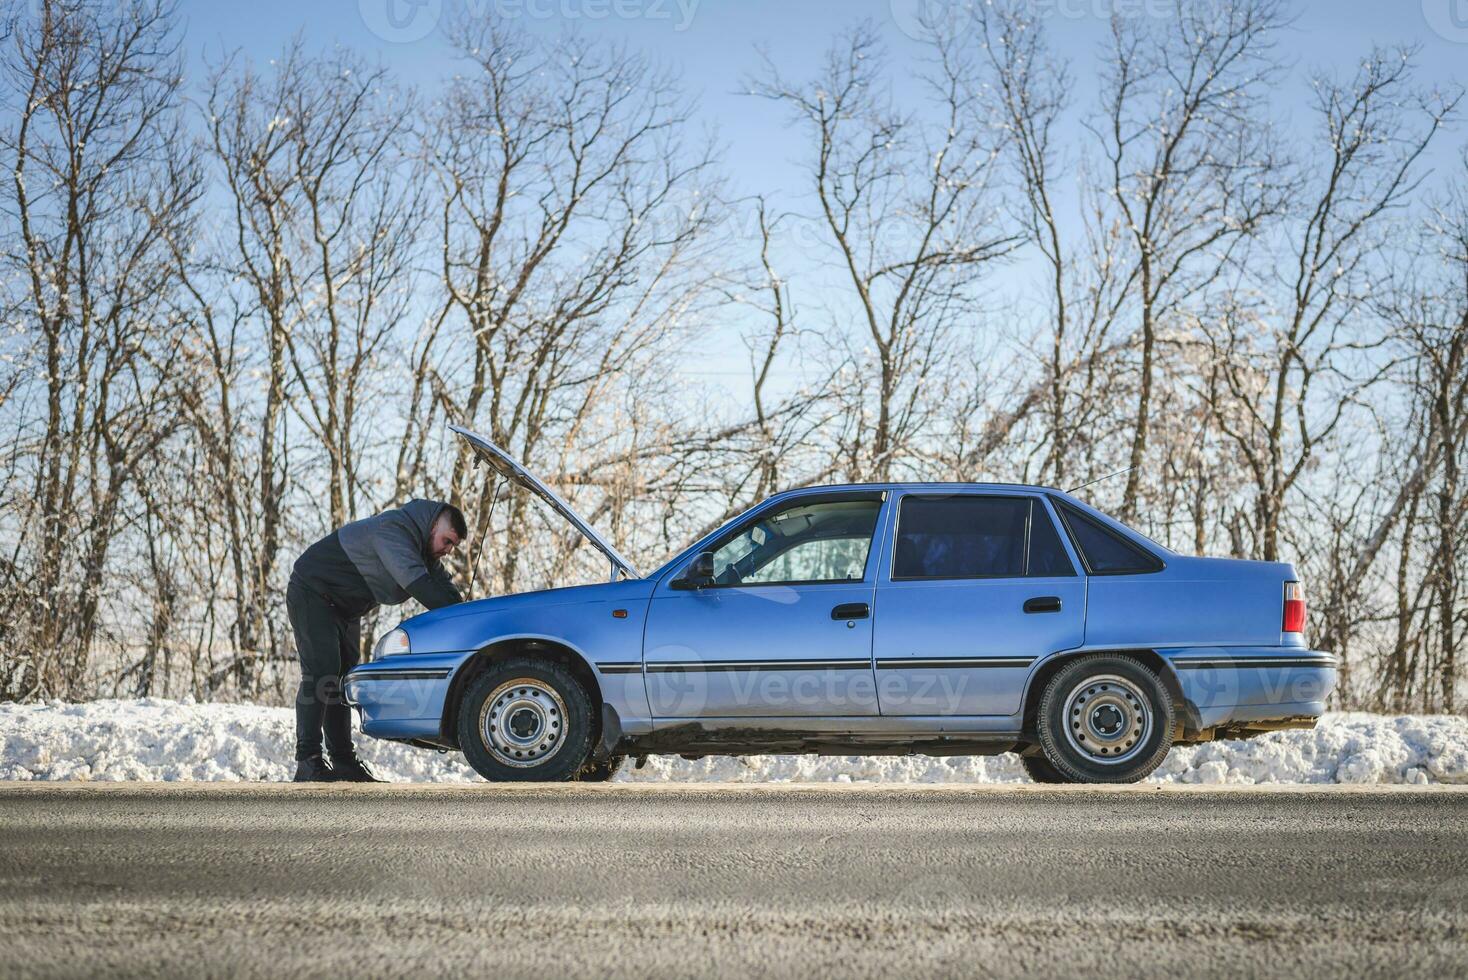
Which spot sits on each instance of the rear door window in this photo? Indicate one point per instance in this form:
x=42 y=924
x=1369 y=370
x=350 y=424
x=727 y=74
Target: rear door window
x=971 y=536
x=1047 y=555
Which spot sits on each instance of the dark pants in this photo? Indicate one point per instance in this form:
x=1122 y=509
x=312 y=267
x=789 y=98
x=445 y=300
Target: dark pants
x=329 y=645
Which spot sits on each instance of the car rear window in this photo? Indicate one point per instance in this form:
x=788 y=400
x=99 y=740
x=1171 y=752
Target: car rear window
x=969 y=536
x=1103 y=550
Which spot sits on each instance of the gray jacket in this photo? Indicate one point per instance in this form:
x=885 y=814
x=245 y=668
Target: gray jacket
x=390 y=550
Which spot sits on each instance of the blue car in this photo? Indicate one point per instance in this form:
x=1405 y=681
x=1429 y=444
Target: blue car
x=942 y=619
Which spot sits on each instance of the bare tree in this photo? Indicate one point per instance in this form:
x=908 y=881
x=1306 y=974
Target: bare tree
x=1296 y=368
x=1443 y=339
x=98 y=179
x=906 y=208
x=572 y=217
x=1192 y=172
x=1415 y=522
x=777 y=445
x=1433 y=323
x=1087 y=281
x=245 y=286
x=360 y=213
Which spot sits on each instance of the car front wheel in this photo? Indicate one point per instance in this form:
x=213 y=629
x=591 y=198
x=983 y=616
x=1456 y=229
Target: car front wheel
x=525 y=720
x=1105 y=718
x=1039 y=769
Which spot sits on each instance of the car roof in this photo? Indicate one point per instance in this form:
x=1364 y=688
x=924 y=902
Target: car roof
x=907 y=485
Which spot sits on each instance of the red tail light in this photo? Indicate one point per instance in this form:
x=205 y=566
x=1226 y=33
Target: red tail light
x=1294 y=608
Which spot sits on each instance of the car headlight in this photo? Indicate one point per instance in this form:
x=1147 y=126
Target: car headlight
x=391 y=644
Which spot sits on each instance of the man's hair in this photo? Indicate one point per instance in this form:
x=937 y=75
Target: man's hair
x=456 y=520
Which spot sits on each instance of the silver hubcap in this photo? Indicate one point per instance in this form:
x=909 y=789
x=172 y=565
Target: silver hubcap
x=1107 y=719
x=523 y=722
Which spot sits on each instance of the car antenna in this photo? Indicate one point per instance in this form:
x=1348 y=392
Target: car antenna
x=1100 y=478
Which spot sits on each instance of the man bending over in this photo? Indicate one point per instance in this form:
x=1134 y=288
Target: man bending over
x=381 y=560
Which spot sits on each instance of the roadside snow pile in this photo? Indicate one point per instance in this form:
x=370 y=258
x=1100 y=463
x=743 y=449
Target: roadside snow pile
x=1343 y=748
x=153 y=739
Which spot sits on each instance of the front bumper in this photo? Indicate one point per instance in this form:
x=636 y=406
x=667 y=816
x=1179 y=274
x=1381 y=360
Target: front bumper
x=1236 y=686
x=402 y=697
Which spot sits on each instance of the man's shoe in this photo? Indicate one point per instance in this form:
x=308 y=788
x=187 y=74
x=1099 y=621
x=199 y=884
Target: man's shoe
x=350 y=769
x=313 y=769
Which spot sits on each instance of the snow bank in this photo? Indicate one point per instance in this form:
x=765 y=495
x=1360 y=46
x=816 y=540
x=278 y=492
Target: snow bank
x=153 y=739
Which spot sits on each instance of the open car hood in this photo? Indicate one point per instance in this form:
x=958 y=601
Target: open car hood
x=510 y=468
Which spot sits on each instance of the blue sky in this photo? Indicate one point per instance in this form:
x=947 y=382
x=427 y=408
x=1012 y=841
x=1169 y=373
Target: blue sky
x=712 y=44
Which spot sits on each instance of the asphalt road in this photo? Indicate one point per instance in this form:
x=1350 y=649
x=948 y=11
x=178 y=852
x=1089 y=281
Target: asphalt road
x=625 y=880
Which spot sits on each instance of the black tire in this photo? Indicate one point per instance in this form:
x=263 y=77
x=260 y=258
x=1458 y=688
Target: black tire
x=540 y=715
x=1126 y=699
x=1039 y=769
x=600 y=772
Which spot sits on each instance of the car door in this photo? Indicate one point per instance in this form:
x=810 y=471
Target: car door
x=783 y=627
x=975 y=588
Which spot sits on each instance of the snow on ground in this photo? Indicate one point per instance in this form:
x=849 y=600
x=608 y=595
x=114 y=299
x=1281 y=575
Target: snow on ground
x=154 y=739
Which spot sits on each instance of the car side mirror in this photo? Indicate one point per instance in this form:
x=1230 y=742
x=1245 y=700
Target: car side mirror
x=699 y=573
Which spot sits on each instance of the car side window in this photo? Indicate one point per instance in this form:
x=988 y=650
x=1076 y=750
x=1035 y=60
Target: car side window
x=1103 y=550
x=960 y=537
x=973 y=536
x=824 y=541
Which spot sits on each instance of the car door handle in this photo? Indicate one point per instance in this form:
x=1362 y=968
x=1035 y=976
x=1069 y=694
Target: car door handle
x=851 y=610
x=1043 y=603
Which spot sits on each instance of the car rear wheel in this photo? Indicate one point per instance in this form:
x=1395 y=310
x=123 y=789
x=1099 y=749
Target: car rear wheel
x=526 y=720
x=1105 y=718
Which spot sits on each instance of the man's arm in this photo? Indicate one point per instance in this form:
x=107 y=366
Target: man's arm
x=434 y=588
x=398 y=549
